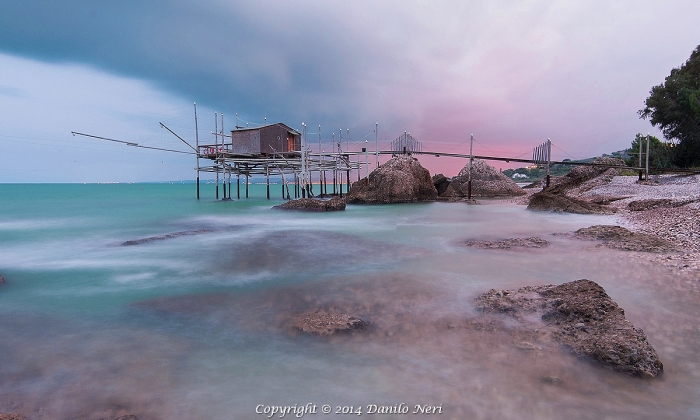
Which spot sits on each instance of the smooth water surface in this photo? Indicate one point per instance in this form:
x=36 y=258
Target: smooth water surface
x=195 y=325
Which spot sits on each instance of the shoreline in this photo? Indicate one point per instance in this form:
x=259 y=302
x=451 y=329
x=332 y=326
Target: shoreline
x=679 y=225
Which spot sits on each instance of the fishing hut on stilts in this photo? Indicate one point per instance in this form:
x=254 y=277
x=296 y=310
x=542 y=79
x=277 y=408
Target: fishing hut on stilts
x=273 y=150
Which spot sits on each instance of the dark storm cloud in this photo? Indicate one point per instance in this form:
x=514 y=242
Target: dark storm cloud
x=252 y=57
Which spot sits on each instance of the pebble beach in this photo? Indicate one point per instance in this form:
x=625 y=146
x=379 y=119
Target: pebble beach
x=679 y=225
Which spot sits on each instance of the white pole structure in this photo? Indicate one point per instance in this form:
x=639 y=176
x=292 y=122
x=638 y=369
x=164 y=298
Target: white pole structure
x=340 y=173
x=639 y=149
x=223 y=140
x=549 y=158
x=196 y=142
x=469 y=183
x=367 y=160
x=303 y=160
x=376 y=144
x=335 y=161
x=647 y=164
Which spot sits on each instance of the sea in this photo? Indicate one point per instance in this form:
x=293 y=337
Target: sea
x=141 y=299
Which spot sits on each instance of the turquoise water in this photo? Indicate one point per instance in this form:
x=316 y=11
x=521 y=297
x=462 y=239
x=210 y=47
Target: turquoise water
x=197 y=325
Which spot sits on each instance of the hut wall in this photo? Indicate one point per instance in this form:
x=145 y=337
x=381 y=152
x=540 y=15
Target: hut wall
x=275 y=136
x=265 y=140
x=246 y=141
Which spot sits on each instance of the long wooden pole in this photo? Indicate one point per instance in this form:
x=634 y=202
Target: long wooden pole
x=196 y=142
x=216 y=154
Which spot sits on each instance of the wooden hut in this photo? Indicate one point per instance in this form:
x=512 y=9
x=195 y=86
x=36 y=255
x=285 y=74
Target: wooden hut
x=265 y=140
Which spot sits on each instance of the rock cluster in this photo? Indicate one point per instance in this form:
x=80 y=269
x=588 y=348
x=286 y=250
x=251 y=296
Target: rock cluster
x=312 y=204
x=400 y=180
x=510 y=243
x=560 y=203
x=12 y=417
x=584 y=178
x=617 y=237
x=487 y=182
x=321 y=322
x=564 y=193
x=581 y=316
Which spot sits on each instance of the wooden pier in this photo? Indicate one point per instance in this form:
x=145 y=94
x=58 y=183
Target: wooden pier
x=277 y=150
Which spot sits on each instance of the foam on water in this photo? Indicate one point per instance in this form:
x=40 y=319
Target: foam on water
x=198 y=326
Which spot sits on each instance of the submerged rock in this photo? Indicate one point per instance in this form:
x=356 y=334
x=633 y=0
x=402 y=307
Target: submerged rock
x=168 y=236
x=400 y=180
x=2 y=280
x=546 y=201
x=323 y=323
x=531 y=242
x=617 y=237
x=487 y=181
x=581 y=316
x=603 y=232
x=312 y=204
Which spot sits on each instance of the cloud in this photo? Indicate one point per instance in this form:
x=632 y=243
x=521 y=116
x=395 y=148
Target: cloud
x=515 y=73
x=55 y=99
x=12 y=92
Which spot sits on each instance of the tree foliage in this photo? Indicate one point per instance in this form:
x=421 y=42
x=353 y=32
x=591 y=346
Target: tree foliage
x=674 y=107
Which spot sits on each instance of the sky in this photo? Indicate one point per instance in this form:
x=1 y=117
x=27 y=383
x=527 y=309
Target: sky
x=513 y=73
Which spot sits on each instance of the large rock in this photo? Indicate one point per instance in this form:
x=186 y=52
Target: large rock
x=400 y=180
x=581 y=316
x=487 y=181
x=311 y=204
x=564 y=194
x=546 y=201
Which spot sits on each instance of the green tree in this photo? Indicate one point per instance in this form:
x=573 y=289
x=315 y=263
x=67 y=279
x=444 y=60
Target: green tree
x=674 y=107
x=660 y=154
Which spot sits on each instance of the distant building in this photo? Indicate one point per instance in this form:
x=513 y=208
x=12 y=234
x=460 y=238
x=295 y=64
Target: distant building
x=265 y=140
